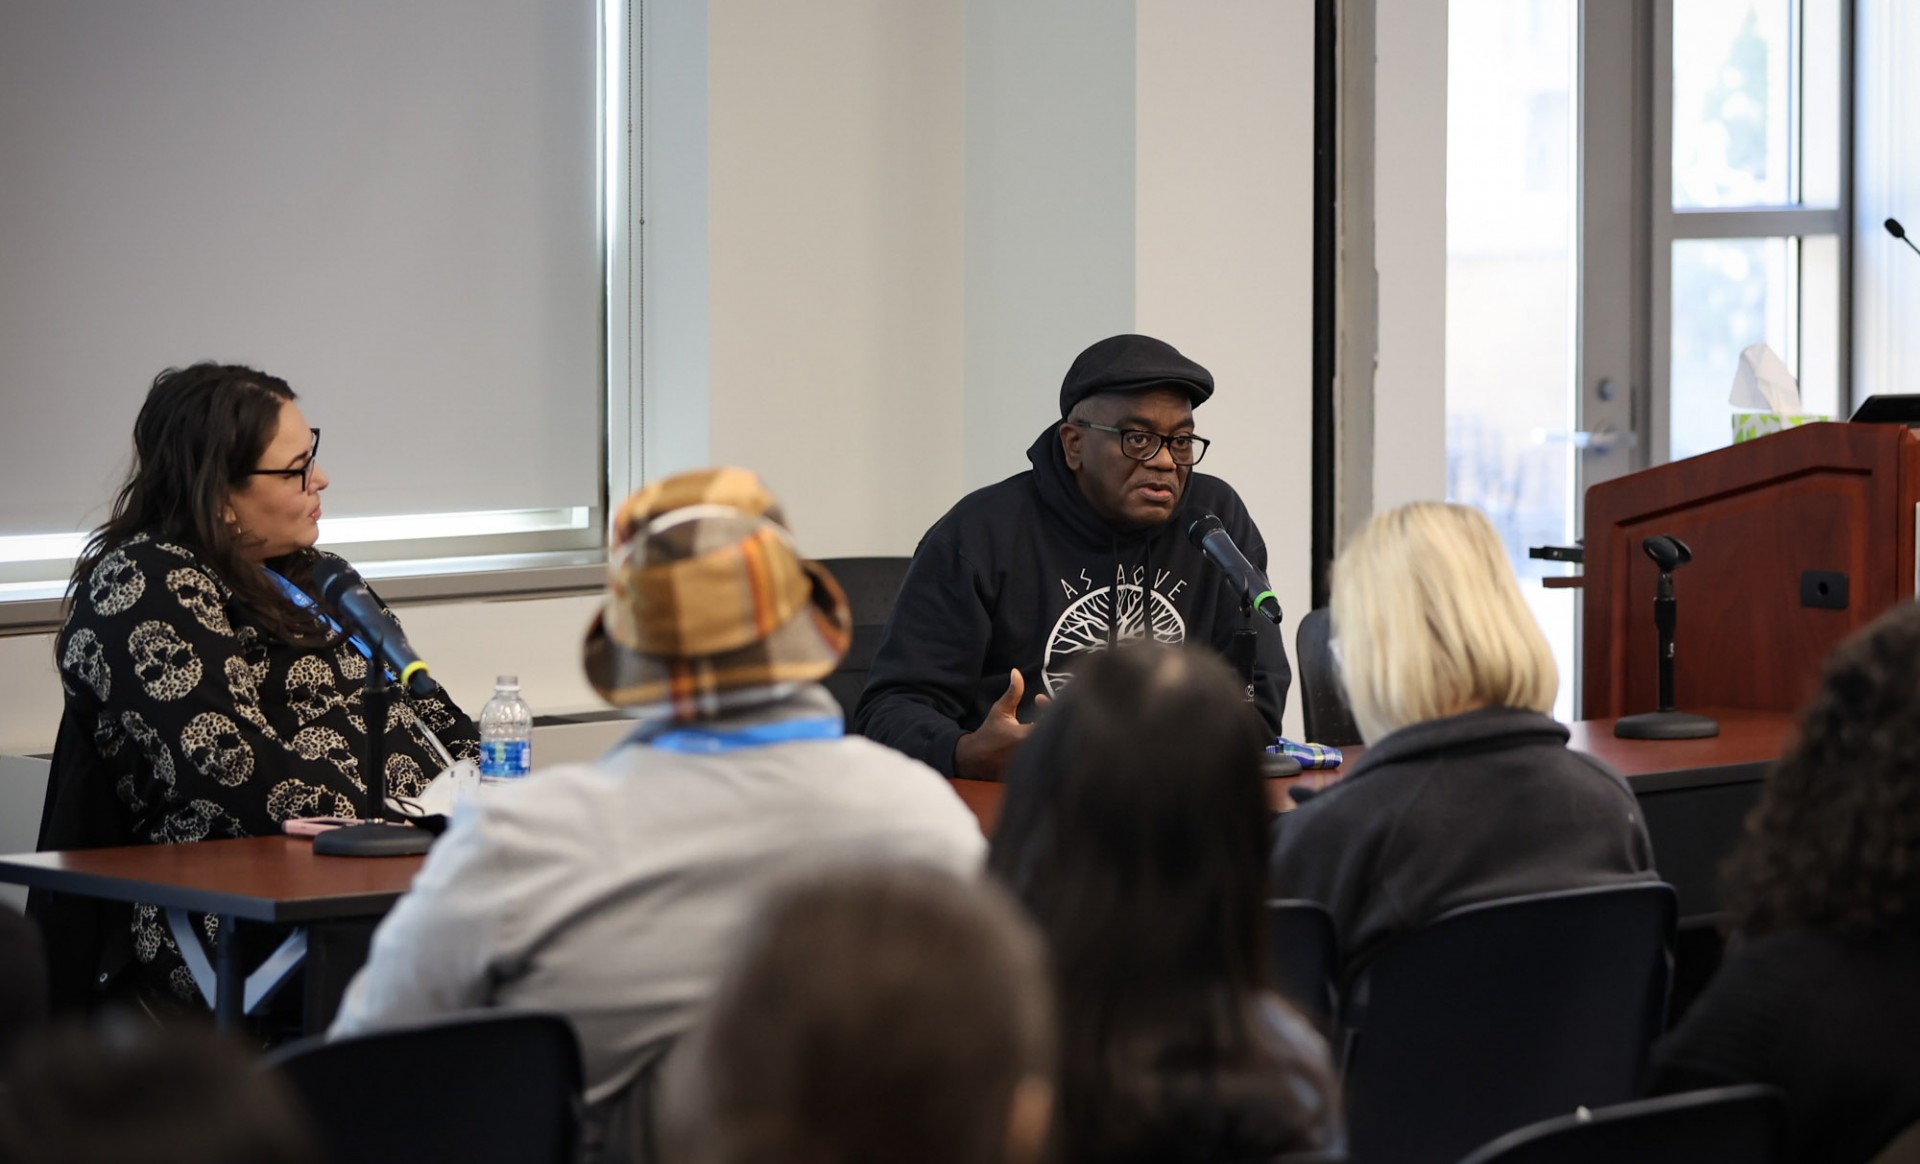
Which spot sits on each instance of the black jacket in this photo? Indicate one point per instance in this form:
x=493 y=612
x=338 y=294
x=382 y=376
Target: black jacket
x=1830 y=1022
x=1024 y=574
x=1454 y=811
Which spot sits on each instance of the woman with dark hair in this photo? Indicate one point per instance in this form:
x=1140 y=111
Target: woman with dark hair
x=206 y=696
x=1135 y=831
x=1821 y=993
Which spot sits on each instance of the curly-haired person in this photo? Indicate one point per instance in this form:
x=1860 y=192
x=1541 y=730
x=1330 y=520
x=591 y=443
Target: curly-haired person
x=1821 y=994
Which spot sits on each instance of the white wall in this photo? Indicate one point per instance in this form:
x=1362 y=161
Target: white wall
x=1410 y=251
x=1224 y=246
x=1050 y=101
x=836 y=203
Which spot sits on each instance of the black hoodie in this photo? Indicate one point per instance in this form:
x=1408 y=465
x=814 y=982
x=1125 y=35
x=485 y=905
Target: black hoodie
x=1024 y=574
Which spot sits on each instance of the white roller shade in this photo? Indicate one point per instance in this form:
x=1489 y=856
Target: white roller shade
x=392 y=205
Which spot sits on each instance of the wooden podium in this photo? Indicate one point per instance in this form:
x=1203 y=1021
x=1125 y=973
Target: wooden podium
x=1776 y=525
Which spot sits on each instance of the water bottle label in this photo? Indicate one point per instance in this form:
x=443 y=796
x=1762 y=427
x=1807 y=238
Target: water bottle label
x=505 y=758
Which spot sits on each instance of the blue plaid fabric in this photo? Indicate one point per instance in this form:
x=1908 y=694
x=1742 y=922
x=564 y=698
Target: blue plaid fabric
x=1309 y=755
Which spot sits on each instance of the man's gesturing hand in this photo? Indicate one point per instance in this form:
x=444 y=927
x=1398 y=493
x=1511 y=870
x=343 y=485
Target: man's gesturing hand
x=985 y=752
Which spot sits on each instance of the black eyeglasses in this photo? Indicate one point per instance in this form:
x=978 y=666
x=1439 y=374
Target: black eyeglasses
x=304 y=472
x=1140 y=445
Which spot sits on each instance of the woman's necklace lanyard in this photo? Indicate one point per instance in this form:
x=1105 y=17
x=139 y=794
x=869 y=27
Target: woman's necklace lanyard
x=708 y=741
x=304 y=601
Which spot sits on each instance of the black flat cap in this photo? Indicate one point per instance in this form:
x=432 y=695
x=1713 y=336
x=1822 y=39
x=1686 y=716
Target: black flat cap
x=1130 y=363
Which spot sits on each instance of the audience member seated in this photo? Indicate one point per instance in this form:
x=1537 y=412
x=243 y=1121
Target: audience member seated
x=23 y=979
x=138 y=1093
x=875 y=1014
x=1135 y=831
x=1467 y=791
x=611 y=891
x=1820 y=995
x=204 y=696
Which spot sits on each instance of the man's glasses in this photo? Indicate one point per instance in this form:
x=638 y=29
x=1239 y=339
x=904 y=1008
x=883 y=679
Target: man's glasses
x=304 y=472
x=1140 y=445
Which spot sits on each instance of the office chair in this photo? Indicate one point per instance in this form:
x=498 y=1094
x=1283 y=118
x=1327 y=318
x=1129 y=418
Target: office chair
x=1323 y=697
x=871 y=585
x=496 y=1086
x=1502 y=1013
x=1728 y=1125
x=1306 y=959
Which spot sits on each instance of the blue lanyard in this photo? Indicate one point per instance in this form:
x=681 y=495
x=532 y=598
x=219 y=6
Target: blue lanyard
x=301 y=599
x=706 y=741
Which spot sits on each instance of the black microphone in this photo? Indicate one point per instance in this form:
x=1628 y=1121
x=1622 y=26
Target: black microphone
x=1255 y=592
x=1900 y=232
x=342 y=589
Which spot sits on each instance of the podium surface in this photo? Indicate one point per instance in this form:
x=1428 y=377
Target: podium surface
x=1798 y=539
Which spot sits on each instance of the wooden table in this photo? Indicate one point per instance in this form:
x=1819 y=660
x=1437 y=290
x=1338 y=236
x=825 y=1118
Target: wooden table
x=277 y=880
x=1694 y=794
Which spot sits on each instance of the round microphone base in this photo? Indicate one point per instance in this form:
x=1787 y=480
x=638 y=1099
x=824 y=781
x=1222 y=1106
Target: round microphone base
x=1666 y=725
x=373 y=840
x=1273 y=765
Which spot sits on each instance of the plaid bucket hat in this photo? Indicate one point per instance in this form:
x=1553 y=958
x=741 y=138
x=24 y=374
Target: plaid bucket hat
x=710 y=607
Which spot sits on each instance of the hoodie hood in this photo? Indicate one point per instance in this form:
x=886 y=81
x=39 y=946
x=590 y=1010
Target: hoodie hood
x=1060 y=495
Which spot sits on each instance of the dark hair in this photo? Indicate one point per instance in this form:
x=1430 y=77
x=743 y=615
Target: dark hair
x=179 y=1095
x=875 y=1015
x=1135 y=829
x=1834 y=843
x=200 y=432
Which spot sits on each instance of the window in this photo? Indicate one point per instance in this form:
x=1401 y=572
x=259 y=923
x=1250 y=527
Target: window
x=1748 y=213
x=418 y=215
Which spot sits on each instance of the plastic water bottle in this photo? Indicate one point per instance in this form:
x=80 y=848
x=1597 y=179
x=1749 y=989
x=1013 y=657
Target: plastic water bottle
x=506 y=733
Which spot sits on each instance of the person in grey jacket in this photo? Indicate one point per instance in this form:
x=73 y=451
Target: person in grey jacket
x=1467 y=791
x=613 y=892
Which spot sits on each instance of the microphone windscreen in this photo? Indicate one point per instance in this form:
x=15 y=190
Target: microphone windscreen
x=1202 y=526
x=1895 y=229
x=332 y=577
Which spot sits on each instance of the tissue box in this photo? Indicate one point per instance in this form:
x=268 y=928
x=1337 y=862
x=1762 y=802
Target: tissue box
x=1748 y=425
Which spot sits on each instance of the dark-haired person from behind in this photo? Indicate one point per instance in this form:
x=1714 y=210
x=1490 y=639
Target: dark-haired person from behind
x=1135 y=832
x=136 y=1093
x=1468 y=791
x=876 y=1014
x=1820 y=995
x=206 y=695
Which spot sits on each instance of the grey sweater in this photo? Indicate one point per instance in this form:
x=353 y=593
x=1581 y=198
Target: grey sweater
x=1454 y=811
x=612 y=892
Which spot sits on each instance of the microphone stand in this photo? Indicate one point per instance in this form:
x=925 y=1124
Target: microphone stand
x=1666 y=723
x=379 y=837
x=1240 y=653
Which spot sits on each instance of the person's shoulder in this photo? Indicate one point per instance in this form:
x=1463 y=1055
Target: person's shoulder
x=992 y=503
x=1209 y=494
x=141 y=566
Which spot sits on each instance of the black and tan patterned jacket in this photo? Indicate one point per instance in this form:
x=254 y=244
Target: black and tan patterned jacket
x=186 y=721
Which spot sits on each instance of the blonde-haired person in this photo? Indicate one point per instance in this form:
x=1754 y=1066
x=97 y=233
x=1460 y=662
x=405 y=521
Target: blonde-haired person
x=1468 y=791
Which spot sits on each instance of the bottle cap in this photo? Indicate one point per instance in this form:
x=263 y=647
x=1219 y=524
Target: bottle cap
x=511 y=682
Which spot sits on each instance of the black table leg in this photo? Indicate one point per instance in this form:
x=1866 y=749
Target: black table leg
x=229 y=983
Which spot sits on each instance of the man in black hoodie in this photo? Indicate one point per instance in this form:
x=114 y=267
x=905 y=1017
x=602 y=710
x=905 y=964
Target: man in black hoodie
x=1020 y=577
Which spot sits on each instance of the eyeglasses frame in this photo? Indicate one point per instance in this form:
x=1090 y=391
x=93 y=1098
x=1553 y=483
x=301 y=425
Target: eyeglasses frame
x=1159 y=441
x=305 y=472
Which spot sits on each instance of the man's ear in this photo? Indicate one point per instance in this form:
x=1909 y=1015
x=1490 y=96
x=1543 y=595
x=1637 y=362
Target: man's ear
x=1070 y=437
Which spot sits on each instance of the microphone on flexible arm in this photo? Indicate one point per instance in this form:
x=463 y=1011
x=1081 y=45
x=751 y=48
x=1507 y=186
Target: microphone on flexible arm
x=1256 y=593
x=1900 y=232
x=346 y=594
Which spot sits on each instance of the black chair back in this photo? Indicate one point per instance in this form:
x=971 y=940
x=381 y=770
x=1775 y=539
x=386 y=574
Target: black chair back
x=1323 y=698
x=1499 y=1014
x=871 y=585
x=499 y=1086
x=1306 y=959
x=1727 y=1125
